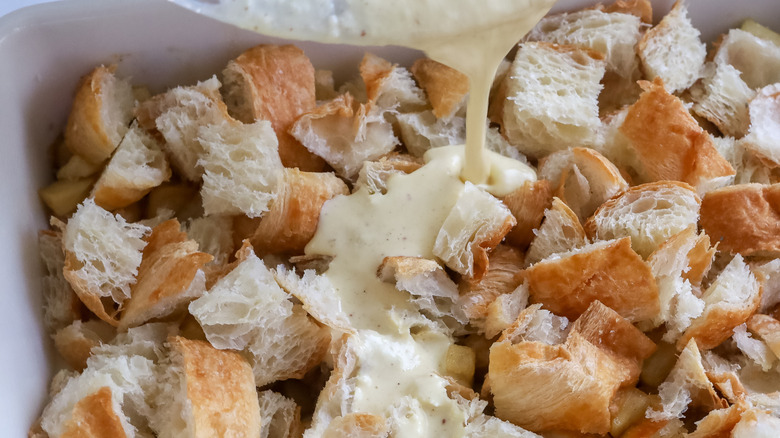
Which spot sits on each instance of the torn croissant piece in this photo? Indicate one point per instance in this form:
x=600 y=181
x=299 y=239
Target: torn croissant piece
x=345 y=133
x=729 y=301
x=613 y=35
x=317 y=295
x=761 y=137
x=482 y=425
x=687 y=383
x=640 y=8
x=608 y=271
x=61 y=305
x=544 y=387
x=279 y=416
x=754 y=349
x=722 y=97
x=569 y=386
x=176 y=118
x=445 y=87
x=769 y=274
x=669 y=142
x=504 y=310
x=94 y=416
x=101 y=112
x=673 y=50
x=767 y=329
x=502 y=277
x=719 y=422
x=616 y=336
x=374 y=70
x=136 y=167
x=402 y=162
x=458 y=389
x=475 y=225
x=415 y=273
x=750 y=167
x=389 y=87
x=699 y=259
x=527 y=204
x=723 y=375
x=759 y=69
x=433 y=292
x=537 y=325
x=121 y=377
x=582 y=178
x=75 y=342
x=166 y=280
x=274 y=83
x=552 y=101
x=335 y=399
x=680 y=254
x=357 y=425
x=756 y=423
x=215 y=273
x=102 y=256
x=210 y=393
x=294 y=214
x=247 y=310
x=561 y=231
x=375 y=174
x=648 y=213
x=241 y=168
x=422 y=131
x=678 y=266
x=744 y=219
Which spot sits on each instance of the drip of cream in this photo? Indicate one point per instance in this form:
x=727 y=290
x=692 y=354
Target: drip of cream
x=399 y=361
x=478 y=54
x=504 y=175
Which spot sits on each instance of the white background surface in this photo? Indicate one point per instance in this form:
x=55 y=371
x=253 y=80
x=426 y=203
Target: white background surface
x=7 y=6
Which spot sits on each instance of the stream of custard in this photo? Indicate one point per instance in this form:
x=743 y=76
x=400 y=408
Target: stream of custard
x=398 y=373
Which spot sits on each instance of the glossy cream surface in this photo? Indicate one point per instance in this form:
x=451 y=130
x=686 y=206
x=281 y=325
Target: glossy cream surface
x=397 y=367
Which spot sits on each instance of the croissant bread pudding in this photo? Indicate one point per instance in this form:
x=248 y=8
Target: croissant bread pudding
x=269 y=253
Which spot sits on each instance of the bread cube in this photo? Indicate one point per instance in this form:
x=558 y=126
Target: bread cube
x=101 y=113
x=673 y=51
x=552 y=98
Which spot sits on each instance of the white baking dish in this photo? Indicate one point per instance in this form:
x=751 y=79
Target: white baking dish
x=44 y=50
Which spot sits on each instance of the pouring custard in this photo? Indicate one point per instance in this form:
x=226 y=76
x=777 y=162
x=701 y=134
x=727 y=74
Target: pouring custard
x=398 y=354
x=472 y=37
x=375 y=299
